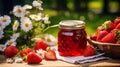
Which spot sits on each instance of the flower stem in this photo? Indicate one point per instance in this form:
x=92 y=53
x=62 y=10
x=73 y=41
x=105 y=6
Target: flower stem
x=50 y=27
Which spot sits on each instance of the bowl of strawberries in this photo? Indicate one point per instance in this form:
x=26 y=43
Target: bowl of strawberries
x=107 y=38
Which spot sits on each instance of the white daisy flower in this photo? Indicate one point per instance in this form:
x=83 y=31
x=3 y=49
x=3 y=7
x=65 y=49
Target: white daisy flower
x=19 y=11
x=40 y=52
x=27 y=6
x=35 y=17
x=36 y=3
x=46 y=19
x=10 y=42
x=15 y=36
x=50 y=40
x=1 y=34
x=41 y=16
x=47 y=22
x=2 y=47
x=9 y=60
x=26 y=24
x=5 y=20
x=18 y=59
x=2 y=27
x=40 y=8
x=15 y=25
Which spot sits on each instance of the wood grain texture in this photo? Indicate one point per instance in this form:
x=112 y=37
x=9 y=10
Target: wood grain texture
x=58 y=63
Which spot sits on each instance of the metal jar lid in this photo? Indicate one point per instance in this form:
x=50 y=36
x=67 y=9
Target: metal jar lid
x=72 y=24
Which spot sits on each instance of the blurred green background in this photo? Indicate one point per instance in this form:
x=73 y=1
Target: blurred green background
x=92 y=12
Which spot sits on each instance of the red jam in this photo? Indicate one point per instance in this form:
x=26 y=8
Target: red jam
x=71 y=40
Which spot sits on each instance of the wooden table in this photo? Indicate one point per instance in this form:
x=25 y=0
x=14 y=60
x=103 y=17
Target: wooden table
x=58 y=63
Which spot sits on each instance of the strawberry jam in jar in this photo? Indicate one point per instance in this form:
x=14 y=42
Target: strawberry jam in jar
x=71 y=38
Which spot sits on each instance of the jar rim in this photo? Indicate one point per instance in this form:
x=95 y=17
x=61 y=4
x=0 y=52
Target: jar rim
x=72 y=24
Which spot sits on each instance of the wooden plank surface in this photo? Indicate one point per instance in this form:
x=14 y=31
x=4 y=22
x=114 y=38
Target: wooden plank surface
x=58 y=63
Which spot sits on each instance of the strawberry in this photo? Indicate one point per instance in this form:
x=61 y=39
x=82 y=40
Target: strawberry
x=101 y=34
x=33 y=58
x=118 y=26
x=117 y=37
x=99 y=29
x=40 y=45
x=93 y=37
x=89 y=51
x=109 y=38
x=11 y=51
x=116 y=21
x=50 y=55
x=108 y=26
x=118 y=42
x=114 y=31
x=25 y=51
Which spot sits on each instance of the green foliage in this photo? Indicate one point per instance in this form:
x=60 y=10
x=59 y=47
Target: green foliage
x=92 y=20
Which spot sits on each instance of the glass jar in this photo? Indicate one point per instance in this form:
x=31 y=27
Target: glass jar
x=71 y=38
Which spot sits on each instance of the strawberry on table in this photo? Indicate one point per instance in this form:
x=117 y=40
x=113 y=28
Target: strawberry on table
x=89 y=51
x=50 y=55
x=25 y=52
x=40 y=45
x=11 y=51
x=33 y=58
x=100 y=35
x=109 y=38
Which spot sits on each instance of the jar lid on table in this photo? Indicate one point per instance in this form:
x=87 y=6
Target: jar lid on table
x=72 y=24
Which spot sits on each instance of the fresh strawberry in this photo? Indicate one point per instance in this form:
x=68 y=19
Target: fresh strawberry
x=50 y=55
x=118 y=26
x=109 y=38
x=101 y=34
x=25 y=51
x=114 y=31
x=99 y=29
x=33 y=58
x=11 y=51
x=89 y=51
x=116 y=21
x=93 y=37
x=108 y=26
x=117 y=37
x=40 y=45
x=118 y=42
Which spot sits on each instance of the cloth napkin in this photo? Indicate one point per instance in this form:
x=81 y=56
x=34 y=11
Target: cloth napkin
x=81 y=59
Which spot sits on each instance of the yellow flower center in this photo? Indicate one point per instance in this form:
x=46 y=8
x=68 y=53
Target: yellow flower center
x=4 y=19
x=42 y=16
x=19 y=10
x=48 y=39
x=2 y=47
x=10 y=42
x=15 y=25
x=35 y=16
x=26 y=24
